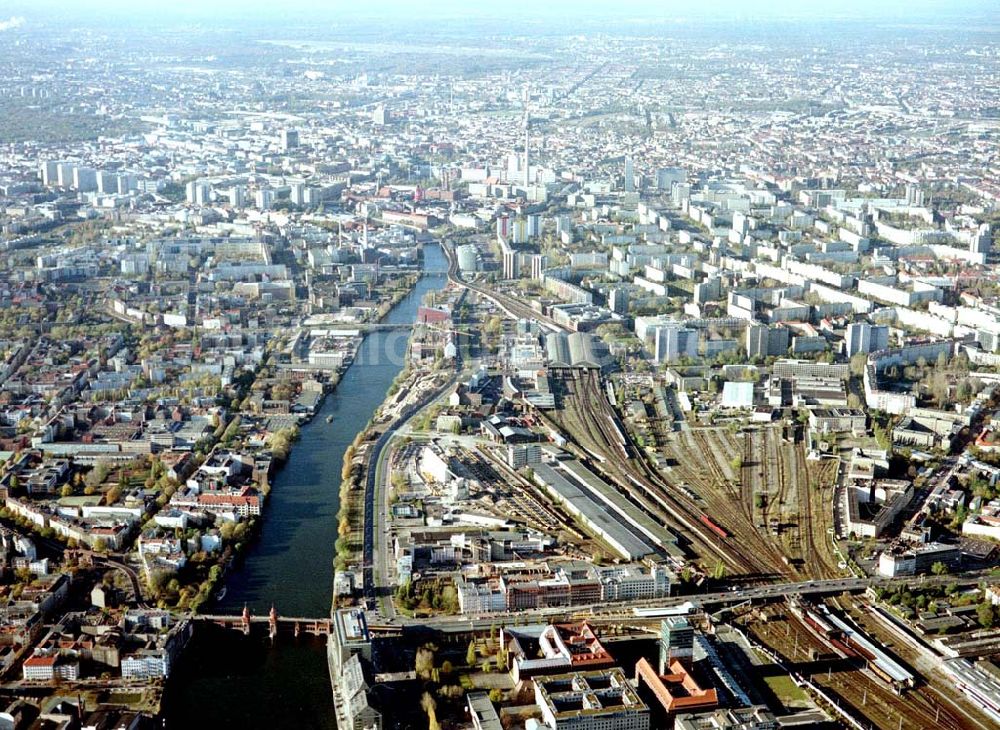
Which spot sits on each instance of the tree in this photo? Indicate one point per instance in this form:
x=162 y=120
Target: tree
x=858 y=362
x=423 y=664
x=939 y=568
x=429 y=706
x=66 y=491
x=986 y=616
x=470 y=654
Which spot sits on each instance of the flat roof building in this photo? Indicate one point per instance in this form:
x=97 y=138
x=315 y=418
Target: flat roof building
x=601 y=509
x=739 y=718
x=598 y=700
x=482 y=712
x=737 y=395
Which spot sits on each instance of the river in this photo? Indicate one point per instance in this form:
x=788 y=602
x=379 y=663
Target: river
x=227 y=680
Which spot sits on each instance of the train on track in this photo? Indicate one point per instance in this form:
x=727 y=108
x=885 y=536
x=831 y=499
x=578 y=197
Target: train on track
x=851 y=643
x=711 y=525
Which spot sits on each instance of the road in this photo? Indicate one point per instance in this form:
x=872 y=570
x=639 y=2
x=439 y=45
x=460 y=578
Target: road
x=376 y=561
x=626 y=610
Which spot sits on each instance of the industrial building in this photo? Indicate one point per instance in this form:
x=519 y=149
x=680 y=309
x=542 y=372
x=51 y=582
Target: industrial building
x=872 y=507
x=604 y=512
x=900 y=560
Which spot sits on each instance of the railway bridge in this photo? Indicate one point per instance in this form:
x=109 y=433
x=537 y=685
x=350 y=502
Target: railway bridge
x=275 y=624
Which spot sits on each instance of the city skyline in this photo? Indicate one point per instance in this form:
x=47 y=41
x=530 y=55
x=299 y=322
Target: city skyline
x=99 y=11
x=576 y=366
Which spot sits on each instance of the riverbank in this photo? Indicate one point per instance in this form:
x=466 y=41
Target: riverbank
x=290 y=564
x=281 y=443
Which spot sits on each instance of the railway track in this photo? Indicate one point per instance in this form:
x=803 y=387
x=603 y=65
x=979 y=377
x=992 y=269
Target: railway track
x=869 y=699
x=725 y=497
x=508 y=303
x=812 y=555
x=636 y=470
x=616 y=460
x=746 y=495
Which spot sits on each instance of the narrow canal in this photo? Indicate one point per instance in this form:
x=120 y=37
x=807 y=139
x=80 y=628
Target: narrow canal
x=227 y=680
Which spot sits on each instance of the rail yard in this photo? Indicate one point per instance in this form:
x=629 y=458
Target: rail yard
x=750 y=499
x=850 y=680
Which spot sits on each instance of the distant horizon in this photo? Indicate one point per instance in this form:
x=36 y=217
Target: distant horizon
x=295 y=12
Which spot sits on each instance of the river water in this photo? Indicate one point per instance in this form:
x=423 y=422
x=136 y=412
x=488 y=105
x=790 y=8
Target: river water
x=227 y=680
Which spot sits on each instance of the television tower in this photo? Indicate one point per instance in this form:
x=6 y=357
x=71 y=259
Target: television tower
x=527 y=96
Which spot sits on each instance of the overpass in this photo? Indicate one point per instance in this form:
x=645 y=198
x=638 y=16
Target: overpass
x=641 y=611
x=649 y=609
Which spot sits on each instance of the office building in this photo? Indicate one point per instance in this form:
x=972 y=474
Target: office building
x=598 y=700
x=289 y=139
x=673 y=691
x=676 y=642
x=901 y=559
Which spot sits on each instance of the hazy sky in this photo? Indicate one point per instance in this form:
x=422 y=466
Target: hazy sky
x=297 y=11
